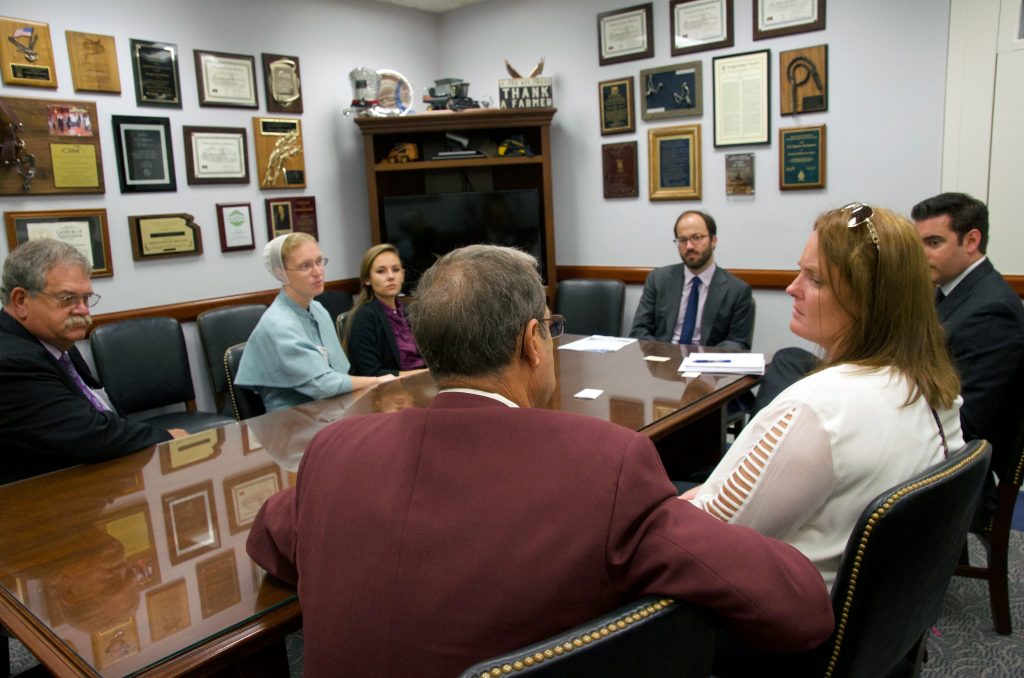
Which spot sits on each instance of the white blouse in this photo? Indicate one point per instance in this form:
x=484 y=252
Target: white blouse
x=805 y=468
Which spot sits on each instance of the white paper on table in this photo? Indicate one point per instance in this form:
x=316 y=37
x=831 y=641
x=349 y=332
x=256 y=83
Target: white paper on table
x=598 y=344
x=589 y=394
x=726 y=363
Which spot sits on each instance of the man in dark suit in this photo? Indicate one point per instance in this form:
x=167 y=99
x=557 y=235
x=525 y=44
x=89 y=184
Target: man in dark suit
x=984 y=321
x=695 y=302
x=53 y=412
x=428 y=539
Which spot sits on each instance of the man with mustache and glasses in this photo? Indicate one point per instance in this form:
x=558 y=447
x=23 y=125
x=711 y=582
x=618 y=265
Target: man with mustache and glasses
x=695 y=302
x=53 y=412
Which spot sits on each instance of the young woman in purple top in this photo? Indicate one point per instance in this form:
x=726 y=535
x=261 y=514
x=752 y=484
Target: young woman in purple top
x=378 y=339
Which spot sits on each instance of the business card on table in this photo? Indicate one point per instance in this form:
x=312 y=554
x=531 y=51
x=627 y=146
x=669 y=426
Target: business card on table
x=689 y=375
x=589 y=393
x=656 y=358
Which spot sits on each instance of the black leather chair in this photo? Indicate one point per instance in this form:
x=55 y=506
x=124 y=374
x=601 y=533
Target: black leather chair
x=144 y=365
x=339 y=326
x=995 y=537
x=592 y=306
x=892 y=579
x=220 y=328
x=245 y=404
x=652 y=637
x=335 y=301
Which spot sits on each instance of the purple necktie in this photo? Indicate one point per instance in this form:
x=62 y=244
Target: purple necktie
x=65 y=361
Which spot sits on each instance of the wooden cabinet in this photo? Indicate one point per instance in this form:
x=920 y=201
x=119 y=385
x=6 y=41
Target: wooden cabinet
x=428 y=177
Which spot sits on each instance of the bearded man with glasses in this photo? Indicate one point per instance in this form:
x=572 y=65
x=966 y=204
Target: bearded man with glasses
x=53 y=411
x=695 y=302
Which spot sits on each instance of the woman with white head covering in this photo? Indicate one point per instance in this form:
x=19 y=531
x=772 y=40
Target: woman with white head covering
x=294 y=356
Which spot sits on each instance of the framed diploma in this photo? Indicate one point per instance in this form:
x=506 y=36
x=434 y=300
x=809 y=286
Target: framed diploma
x=216 y=155
x=803 y=74
x=144 y=158
x=626 y=34
x=93 y=62
x=618 y=166
x=698 y=25
x=226 y=80
x=281 y=76
x=773 y=18
x=217 y=577
x=235 y=224
x=616 y=100
x=291 y=215
x=801 y=158
x=739 y=174
x=168 y=610
x=155 y=69
x=674 y=157
x=86 y=230
x=244 y=494
x=190 y=521
x=26 y=53
x=673 y=91
x=157 y=236
x=741 y=92
x=280 y=162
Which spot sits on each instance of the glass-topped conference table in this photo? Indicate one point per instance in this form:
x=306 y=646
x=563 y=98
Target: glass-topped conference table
x=138 y=565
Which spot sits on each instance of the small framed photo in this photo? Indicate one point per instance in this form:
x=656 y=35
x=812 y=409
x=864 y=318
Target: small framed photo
x=773 y=18
x=742 y=99
x=245 y=493
x=190 y=521
x=226 y=80
x=236 y=229
x=616 y=97
x=673 y=91
x=86 y=230
x=216 y=155
x=803 y=74
x=281 y=76
x=626 y=34
x=217 y=577
x=155 y=69
x=802 y=158
x=674 y=157
x=618 y=166
x=699 y=25
x=144 y=158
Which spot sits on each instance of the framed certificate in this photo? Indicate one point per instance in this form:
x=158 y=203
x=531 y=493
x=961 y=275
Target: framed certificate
x=626 y=34
x=93 y=62
x=699 y=25
x=616 y=101
x=226 y=80
x=674 y=157
x=144 y=158
x=236 y=230
x=155 y=69
x=86 y=230
x=190 y=521
x=216 y=155
x=802 y=158
x=618 y=166
x=742 y=98
x=674 y=91
x=244 y=494
x=26 y=53
x=773 y=18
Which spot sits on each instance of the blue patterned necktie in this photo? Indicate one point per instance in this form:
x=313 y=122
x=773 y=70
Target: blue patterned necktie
x=690 y=317
x=69 y=367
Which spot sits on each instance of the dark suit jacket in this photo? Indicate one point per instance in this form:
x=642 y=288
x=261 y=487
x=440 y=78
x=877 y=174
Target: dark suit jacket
x=428 y=539
x=46 y=422
x=727 y=320
x=372 y=349
x=984 y=322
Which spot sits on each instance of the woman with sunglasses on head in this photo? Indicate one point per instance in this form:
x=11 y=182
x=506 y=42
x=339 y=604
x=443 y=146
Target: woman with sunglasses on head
x=294 y=356
x=882 y=407
x=378 y=338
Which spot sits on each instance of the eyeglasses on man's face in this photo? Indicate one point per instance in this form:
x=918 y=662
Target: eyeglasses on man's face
x=696 y=239
x=860 y=215
x=72 y=300
x=308 y=266
x=556 y=325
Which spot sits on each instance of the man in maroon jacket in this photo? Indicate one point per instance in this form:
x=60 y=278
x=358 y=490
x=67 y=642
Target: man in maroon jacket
x=428 y=539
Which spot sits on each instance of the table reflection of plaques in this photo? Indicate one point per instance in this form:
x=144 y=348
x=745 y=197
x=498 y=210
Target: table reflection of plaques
x=284 y=86
x=155 y=66
x=217 y=577
x=279 y=157
x=190 y=520
x=618 y=163
x=191 y=450
x=164 y=235
x=802 y=158
x=244 y=495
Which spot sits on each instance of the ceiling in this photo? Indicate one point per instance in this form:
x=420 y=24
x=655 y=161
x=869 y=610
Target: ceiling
x=435 y=6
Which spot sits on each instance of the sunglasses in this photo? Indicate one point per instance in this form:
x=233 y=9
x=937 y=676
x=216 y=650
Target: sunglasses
x=861 y=214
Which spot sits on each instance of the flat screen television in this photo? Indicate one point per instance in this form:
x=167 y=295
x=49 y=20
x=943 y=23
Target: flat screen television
x=424 y=227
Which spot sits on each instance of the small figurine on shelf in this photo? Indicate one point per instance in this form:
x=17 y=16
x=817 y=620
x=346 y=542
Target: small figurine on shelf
x=451 y=94
x=403 y=152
